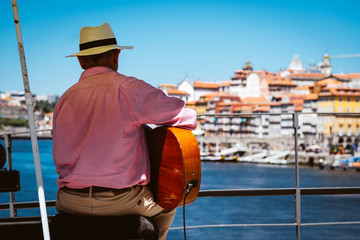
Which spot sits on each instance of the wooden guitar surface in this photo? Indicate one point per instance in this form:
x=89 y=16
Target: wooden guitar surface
x=175 y=161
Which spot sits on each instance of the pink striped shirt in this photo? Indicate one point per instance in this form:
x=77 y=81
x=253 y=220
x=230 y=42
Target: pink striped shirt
x=98 y=135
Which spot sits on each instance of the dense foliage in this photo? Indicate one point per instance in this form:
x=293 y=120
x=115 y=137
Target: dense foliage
x=13 y=122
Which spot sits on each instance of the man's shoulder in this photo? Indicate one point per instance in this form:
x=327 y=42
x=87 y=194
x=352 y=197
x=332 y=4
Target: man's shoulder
x=126 y=80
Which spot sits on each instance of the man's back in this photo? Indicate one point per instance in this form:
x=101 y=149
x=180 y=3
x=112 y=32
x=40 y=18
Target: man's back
x=98 y=133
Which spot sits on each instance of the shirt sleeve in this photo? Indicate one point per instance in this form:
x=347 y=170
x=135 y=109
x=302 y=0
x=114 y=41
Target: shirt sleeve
x=155 y=107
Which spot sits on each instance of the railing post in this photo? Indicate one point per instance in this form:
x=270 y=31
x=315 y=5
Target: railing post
x=297 y=194
x=8 y=145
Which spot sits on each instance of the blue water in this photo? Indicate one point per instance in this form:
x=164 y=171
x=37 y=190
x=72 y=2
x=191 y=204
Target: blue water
x=231 y=210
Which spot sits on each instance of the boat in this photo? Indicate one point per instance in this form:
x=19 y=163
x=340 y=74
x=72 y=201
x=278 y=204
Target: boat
x=342 y=162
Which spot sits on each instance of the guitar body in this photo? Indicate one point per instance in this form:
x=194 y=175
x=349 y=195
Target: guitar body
x=175 y=161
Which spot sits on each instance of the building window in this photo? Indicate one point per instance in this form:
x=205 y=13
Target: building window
x=340 y=110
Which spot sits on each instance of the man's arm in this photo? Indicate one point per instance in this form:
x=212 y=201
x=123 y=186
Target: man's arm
x=155 y=107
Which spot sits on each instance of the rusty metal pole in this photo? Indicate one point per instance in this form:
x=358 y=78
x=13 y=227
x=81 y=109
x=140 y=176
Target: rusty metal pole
x=29 y=99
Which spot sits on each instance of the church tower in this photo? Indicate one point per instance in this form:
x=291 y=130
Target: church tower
x=325 y=65
x=248 y=67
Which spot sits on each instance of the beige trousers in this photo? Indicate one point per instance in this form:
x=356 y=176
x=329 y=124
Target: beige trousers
x=137 y=201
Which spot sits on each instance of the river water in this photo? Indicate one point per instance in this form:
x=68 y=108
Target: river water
x=230 y=210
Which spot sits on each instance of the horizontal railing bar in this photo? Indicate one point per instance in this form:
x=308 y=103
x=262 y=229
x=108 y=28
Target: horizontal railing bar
x=329 y=223
x=265 y=225
x=25 y=205
x=24 y=132
x=20 y=223
x=330 y=191
x=246 y=192
x=238 y=225
x=278 y=192
x=22 y=220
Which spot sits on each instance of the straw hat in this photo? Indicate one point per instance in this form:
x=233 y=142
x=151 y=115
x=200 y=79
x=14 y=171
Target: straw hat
x=96 y=40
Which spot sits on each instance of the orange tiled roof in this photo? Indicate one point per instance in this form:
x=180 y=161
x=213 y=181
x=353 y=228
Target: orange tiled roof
x=278 y=80
x=167 y=85
x=241 y=74
x=301 y=88
x=348 y=76
x=297 y=101
x=307 y=75
x=262 y=109
x=177 y=92
x=206 y=85
x=254 y=100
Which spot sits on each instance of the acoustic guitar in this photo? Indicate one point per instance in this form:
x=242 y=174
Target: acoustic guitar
x=175 y=165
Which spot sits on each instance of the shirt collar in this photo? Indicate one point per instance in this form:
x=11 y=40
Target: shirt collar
x=95 y=70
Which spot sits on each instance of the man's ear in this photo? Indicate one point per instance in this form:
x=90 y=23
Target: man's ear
x=116 y=55
x=115 y=60
x=82 y=62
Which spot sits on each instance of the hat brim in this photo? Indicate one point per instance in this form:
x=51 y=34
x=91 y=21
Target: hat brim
x=98 y=50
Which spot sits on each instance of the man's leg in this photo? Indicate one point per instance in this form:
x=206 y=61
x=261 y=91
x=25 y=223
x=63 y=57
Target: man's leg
x=139 y=200
x=164 y=220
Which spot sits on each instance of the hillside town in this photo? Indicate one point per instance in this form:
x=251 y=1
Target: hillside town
x=314 y=93
x=261 y=103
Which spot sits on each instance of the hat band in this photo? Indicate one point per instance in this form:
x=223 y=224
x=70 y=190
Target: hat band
x=97 y=43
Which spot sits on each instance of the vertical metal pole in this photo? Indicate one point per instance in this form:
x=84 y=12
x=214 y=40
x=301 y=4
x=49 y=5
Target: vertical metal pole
x=297 y=194
x=30 y=108
x=8 y=145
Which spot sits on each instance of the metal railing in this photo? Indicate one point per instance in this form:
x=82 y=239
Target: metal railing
x=297 y=192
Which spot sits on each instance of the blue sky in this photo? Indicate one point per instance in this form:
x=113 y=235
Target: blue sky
x=203 y=40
